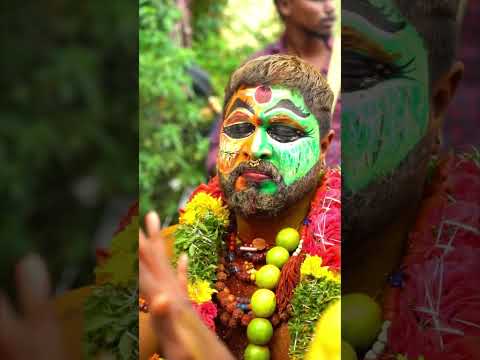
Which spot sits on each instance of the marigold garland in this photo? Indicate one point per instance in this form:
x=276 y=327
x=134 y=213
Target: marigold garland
x=206 y=216
x=204 y=223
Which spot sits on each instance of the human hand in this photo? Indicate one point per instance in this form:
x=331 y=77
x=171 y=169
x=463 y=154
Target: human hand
x=33 y=332
x=179 y=332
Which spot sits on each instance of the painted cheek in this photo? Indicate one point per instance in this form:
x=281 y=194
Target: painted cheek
x=232 y=152
x=296 y=159
x=380 y=129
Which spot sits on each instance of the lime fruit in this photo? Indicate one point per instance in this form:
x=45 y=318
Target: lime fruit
x=277 y=256
x=259 y=331
x=267 y=276
x=288 y=238
x=347 y=351
x=361 y=320
x=263 y=303
x=255 y=352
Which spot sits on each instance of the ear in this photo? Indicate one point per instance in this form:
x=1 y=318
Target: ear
x=443 y=92
x=325 y=144
x=284 y=8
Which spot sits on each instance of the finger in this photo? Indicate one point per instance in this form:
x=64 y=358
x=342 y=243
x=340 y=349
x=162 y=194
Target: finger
x=153 y=255
x=143 y=245
x=152 y=224
x=141 y=235
x=159 y=306
x=182 y=272
x=10 y=334
x=33 y=284
x=148 y=284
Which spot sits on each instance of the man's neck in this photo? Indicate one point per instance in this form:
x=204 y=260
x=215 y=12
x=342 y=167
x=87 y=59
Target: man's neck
x=367 y=268
x=268 y=228
x=311 y=48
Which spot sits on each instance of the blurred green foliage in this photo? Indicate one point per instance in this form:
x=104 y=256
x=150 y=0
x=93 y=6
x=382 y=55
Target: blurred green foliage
x=174 y=122
x=69 y=111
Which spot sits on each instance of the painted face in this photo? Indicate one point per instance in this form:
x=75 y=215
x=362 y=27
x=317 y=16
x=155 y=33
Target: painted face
x=269 y=143
x=385 y=91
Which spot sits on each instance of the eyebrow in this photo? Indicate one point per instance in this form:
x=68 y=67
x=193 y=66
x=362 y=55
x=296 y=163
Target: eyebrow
x=239 y=103
x=289 y=105
x=352 y=40
x=374 y=15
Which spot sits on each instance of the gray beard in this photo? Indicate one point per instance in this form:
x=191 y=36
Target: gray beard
x=251 y=202
x=367 y=212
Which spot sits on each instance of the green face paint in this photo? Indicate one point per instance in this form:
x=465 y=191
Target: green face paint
x=385 y=111
x=275 y=126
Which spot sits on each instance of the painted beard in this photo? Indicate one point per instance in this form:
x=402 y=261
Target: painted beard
x=251 y=202
x=370 y=210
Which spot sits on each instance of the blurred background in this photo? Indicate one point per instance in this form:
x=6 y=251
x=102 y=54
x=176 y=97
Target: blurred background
x=68 y=132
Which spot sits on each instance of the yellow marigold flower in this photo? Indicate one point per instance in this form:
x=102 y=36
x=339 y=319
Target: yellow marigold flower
x=201 y=204
x=200 y=291
x=312 y=266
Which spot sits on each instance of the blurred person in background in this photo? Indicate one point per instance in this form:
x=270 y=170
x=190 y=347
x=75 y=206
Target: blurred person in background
x=309 y=34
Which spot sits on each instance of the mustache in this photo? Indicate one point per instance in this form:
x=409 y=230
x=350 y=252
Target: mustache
x=261 y=166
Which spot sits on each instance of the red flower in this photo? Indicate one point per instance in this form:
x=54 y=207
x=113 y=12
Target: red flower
x=438 y=306
x=207 y=312
x=322 y=234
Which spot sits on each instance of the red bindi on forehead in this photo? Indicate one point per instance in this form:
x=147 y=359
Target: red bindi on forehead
x=263 y=94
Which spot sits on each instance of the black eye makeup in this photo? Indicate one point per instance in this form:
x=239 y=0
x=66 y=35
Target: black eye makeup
x=360 y=71
x=240 y=130
x=284 y=133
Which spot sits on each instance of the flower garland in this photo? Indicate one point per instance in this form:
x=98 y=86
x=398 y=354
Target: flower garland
x=433 y=301
x=204 y=223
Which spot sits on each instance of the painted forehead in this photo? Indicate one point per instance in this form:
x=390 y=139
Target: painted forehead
x=382 y=14
x=382 y=21
x=265 y=101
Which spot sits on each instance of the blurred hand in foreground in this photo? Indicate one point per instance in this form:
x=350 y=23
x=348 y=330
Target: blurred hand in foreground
x=33 y=331
x=179 y=331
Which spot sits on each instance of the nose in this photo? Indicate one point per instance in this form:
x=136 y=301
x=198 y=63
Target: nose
x=261 y=148
x=329 y=6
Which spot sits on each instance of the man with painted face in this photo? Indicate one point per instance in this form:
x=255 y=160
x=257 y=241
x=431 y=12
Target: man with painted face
x=273 y=182
x=410 y=235
x=309 y=35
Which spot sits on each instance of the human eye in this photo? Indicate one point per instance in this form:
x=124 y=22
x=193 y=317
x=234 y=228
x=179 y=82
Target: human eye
x=239 y=130
x=361 y=71
x=284 y=133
